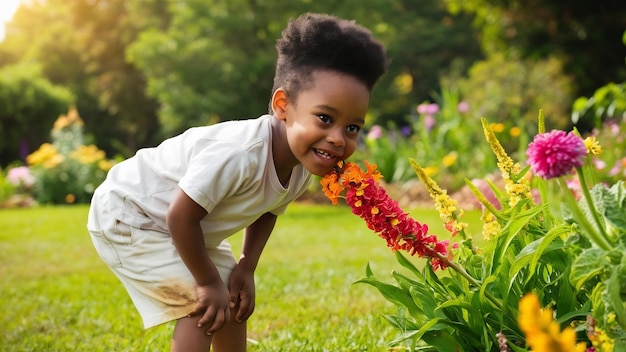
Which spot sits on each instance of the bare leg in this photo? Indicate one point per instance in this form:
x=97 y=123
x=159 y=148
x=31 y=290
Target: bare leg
x=188 y=337
x=232 y=337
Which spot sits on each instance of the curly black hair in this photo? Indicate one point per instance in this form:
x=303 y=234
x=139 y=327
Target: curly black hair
x=315 y=42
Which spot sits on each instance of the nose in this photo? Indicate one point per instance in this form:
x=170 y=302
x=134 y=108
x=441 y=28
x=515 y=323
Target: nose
x=335 y=136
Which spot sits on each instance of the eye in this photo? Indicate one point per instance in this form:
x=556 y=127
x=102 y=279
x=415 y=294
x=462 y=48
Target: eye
x=353 y=129
x=324 y=118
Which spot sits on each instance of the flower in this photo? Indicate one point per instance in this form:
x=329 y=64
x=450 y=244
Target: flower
x=555 y=153
x=463 y=107
x=446 y=206
x=21 y=176
x=516 y=187
x=383 y=215
x=449 y=159
x=375 y=132
x=543 y=334
x=428 y=109
x=515 y=131
x=592 y=145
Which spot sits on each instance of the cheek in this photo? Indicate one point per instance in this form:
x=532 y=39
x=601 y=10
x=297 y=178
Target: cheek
x=350 y=146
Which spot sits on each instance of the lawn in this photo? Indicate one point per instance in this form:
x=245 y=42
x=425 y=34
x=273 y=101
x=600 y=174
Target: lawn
x=56 y=294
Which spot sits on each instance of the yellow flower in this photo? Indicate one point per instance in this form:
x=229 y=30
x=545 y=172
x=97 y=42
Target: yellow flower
x=53 y=161
x=64 y=121
x=491 y=226
x=515 y=131
x=450 y=159
x=516 y=190
x=446 y=206
x=497 y=127
x=593 y=146
x=88 y=154
x=543 y=334
x=47 y=156
x=105 y=165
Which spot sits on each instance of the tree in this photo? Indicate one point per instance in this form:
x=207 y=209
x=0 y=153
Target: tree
x=586 y=35
x=81 y=45
x=30 y=104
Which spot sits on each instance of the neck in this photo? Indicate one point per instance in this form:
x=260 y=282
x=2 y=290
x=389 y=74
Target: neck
x=284 y=161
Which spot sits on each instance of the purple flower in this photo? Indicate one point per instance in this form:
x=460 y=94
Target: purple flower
x=555 y=153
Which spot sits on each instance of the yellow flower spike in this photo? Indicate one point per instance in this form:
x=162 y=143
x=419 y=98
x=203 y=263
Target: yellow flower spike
x=446 y=206
x=491 y=226
x=541 y=122
x=515 y=190
x=431 y=186
x=593 y=146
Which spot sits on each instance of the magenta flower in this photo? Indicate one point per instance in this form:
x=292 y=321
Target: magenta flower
x=555 y=154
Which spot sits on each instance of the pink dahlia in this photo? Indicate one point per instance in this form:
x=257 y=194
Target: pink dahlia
x=555 y=153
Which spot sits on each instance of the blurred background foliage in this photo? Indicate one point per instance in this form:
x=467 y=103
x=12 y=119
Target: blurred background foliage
x=141 y=71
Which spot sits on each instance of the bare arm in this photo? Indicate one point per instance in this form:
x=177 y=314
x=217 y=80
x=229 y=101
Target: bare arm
x=255 y=238
x=242 y=291
x=183 y=221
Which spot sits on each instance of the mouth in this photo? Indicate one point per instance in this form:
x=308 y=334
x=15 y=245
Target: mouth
x=325 y=155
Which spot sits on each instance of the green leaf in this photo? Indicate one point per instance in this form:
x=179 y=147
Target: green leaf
x=474 y=317
x=615 y=210
x=512 y=228
x=393 y=294
x=417 y=334
x=590 y=262
x=443 y=341
x=614 y=290
x=402 y=260
x=368 y=270
x=532 y=252
x=400 y=322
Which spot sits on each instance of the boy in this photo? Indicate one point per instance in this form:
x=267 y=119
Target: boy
x=161 y=218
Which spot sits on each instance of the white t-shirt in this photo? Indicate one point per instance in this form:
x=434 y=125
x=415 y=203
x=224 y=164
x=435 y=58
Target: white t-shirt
x=226 y=168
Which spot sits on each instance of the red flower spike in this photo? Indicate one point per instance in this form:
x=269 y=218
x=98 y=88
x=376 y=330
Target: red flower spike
x=383 y=215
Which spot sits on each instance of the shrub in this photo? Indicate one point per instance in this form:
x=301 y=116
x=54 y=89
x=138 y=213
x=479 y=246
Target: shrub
x=67 y=170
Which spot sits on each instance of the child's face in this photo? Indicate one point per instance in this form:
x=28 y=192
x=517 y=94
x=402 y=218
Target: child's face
x=323 y=124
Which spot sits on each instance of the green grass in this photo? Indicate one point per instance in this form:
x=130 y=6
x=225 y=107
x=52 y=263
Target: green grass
x=57 y=295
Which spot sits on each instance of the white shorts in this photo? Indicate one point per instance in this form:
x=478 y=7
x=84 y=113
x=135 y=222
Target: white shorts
x=147 y=263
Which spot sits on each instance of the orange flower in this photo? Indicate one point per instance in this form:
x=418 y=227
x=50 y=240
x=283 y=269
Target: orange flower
x=382 y=214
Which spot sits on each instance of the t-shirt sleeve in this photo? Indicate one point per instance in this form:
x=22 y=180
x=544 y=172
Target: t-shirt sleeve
x=217 y=172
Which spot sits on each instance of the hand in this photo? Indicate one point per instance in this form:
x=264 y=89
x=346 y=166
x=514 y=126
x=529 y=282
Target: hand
x=213 y=304
x=242 y=292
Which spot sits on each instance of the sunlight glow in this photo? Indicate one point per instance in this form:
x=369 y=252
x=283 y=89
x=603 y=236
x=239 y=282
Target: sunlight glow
x=7 y=9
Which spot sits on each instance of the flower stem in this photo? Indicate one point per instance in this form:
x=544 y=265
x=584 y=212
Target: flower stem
x=582 y=219
x=459 y=269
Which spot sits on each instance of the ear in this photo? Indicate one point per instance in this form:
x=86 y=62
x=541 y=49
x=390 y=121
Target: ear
x=279 y=103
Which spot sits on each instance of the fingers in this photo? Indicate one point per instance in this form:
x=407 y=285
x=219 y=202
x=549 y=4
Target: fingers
x=212 y=319
x=246 y=307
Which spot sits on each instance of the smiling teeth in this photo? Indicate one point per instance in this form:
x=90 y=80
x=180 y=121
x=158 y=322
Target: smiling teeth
x=324 y=154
